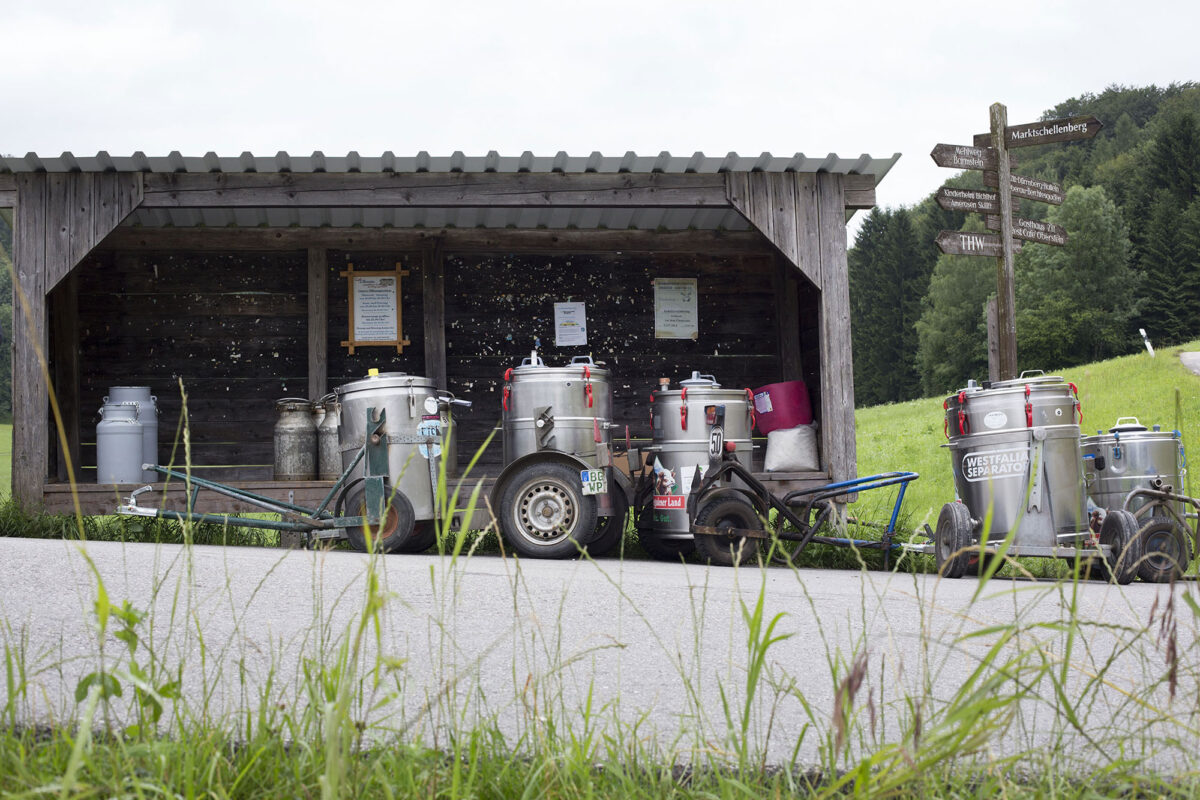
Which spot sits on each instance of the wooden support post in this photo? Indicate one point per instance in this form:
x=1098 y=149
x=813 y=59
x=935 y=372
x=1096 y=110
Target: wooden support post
x=64 y=318
x=1006 y=306
x=993 y=341
x=318 y=322
x=31 y=458
x=433 y=279
x=787 y=299
x=837 y=364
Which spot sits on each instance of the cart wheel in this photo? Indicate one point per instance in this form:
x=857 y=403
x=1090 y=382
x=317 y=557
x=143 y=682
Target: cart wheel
x=610 y=530
x=544 y=512
x=1120 y=533
x=395 y=529
x=727 y=510
x=1167 y=550
x=951 y=539
x=423 y=537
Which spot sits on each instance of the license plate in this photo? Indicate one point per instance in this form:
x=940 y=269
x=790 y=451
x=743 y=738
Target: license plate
x=594 y=481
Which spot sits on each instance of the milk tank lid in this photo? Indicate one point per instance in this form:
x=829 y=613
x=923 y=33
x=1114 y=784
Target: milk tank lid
x=698 y=380
x=1127 y=424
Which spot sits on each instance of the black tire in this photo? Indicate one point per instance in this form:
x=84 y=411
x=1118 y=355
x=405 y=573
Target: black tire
x=610 y=530
x=727 y=510
x=423 y=537
x=951 y=539
x=396 y=528
x=544 y=512
x=1120 y=533
x=1166 y=550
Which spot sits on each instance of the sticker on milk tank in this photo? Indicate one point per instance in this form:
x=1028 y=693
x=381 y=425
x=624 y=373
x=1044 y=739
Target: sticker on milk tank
x=983 y=465
x=995 y=419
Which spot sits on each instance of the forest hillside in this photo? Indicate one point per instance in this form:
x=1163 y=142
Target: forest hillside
x=1132 y=212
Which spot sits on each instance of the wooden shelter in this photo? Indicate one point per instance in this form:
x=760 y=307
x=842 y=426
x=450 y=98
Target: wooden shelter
x=227 y=278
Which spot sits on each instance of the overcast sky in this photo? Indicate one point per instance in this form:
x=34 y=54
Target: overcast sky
x=846 y=77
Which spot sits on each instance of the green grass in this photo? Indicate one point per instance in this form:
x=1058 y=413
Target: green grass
x=908 y=436
x=339 y=728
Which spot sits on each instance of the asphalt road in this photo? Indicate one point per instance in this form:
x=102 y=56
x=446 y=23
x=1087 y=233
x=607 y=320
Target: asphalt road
x=525 y=644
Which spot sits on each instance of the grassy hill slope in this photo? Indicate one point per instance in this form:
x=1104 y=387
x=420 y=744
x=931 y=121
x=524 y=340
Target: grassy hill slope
x=907 y=436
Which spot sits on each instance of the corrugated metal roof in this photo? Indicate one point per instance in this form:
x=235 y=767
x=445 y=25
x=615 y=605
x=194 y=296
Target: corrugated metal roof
x=377 y=217
x=455 y=162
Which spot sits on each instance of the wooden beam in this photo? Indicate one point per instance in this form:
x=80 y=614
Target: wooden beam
x=64 y=317
x=434 y=190
x=787 y=300
x=433 y=278
x=860 y=192
x=454 y=240
x=781 y=206
x=318 y=322
x=30 y=458
x=8 y=199
x=837 y=361
x=84 y=207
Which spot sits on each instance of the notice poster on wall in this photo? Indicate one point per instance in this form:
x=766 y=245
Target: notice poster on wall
x=675 y=314
x=570 y=324
x=375 y=309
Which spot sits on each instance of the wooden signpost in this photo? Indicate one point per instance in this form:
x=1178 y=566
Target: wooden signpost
x=1032 y=230
x=989 y=153
x=968 y=200
x=1028 y=188
x=962 y=243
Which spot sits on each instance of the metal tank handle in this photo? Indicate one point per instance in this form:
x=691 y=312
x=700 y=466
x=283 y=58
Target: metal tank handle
x=1025 y=372
x=582 y=360
x=1135 y=420
x=137 y=409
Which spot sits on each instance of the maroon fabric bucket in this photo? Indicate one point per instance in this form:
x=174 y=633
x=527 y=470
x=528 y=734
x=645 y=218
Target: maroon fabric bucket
x=782 y=405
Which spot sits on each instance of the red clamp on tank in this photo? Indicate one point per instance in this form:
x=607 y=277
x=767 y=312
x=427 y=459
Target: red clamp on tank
x=683 y=408
x=507 y=388
x=1078 y=403
x=1028 y=408
x=962 y=415
x=587 y=387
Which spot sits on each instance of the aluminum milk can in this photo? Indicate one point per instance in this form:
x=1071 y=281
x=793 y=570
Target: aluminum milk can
x=147 y=417
x=1015 y=449
x=119 y=444
x=1129 y=457
x=329 y=458
x=683 y=422
x=295 y=441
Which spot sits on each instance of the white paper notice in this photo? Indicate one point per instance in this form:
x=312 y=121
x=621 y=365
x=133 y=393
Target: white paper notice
x=675 y=315
x=375 y=309
x=570 y=324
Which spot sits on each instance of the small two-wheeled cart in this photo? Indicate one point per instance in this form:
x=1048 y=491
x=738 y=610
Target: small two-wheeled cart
x=731 y=512
x=1018 y=476
x=394 y=430
x=1138 y=469
x=696 y=492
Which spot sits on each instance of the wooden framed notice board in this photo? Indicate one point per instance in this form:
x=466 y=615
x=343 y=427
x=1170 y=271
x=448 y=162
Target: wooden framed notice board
x=376 y=317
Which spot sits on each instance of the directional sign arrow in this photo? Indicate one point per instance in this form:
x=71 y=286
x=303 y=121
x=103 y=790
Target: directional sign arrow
x=1032 y=230
x=968 y=200
x=1055 y=130
x=1029 y=188
x=961 y=156
x=958 y=243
